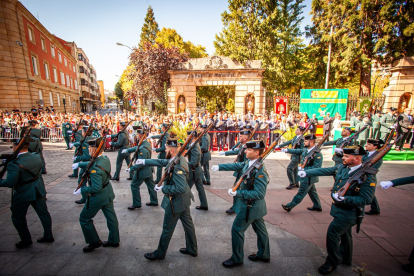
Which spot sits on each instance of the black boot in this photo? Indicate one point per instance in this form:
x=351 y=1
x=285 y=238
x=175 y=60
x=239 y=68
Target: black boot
x=92 y=246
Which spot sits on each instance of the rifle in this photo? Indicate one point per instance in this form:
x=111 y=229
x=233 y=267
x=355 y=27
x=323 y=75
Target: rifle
x=90 y=164
x=122 y=130
x=88 y=133
x=349 y=139
x=389 y=137
x=316 y=149
x=162 y=136
x=300 y=137
x=13 y=155
x=135 y=157
x=198 y=139
x=170 y=167
x=243 y=147
x=74 y=132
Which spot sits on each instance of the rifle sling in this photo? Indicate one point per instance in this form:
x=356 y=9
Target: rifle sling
x=34 y=176
x=107 y=173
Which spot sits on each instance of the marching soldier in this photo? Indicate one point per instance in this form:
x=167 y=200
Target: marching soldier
x=142 y=175
x=25 y=179
x=250 y=207
x=176 y=203
x=363 y=136
x=78 y=138
x=37 y=146
x=337 y=157
x=122 y=143
x=205 y=143
x=376 y=125
x=292 y=169
x=100 y=196
x=387 y=123
x=161 y=150
x=347 y=211
x=307 y=184
x=397 y=182
x=194 y=159
x=372 y=147
x=244 y=135
x=67 y=132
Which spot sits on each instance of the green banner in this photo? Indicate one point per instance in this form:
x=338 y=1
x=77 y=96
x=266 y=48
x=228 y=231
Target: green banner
x=322 y=101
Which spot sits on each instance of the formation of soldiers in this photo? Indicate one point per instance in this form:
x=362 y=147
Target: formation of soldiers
x=183 y=171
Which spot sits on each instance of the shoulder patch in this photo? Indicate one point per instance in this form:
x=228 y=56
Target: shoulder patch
x=140 y=153
x=84 y=147
x=93 y=171
x=318 y=157
x=372 y=184
x=261 y=176
x=180 y=172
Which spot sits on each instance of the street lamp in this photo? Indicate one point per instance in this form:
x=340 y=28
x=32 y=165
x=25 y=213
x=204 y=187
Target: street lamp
x=120 y=44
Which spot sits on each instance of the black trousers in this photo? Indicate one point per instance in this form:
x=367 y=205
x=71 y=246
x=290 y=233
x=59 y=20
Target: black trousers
x=400 y=143
x=324 y=132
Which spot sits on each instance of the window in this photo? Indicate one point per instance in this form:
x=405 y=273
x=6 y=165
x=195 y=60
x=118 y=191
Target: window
x=58 y=98
x=62 y=78
x=60 y=57
x=40 y=95
x=80 y=57
x=46 y=71
x=42 y=41
x=70 y=103
x=52 y=51
x=67 y=80
x=66 y=62
x=76 y=84
x=31 y=34
x=55 y=74
x=51 y=99
x=34 y=64
x=70 y=83
x=74 y=70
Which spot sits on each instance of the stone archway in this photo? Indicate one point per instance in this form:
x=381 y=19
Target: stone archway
x=214 y=71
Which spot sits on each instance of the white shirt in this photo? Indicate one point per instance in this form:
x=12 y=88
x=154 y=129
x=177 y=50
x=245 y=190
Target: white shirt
x=371 y=153
x=22 y=153
x=354 y=168
x=310 y=149
x=251 y=162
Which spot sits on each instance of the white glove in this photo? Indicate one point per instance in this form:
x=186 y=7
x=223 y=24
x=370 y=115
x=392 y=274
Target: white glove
x=108 y=136
x=140 y=162
x=75 y=166
x=339 y=150
x=157 y=189
x=69 y=131
x=277 y=147
x=221 y=153
x=337 y=197
x=110 y=143
x=301 y=174
x=215 y=168
x=70 y=145
x=153 y=149
x=300 y=168
x=392 y=127
x=386 y=184
x=284 y=150
x=127 y=170
x=74 y=158
x=124 y=151
x=232 y=193
x=78 y=192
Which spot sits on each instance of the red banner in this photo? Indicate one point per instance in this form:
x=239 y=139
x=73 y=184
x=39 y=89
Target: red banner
x=281 y=105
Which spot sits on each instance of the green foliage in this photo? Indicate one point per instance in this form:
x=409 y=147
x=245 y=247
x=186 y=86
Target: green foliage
x=119 y=93
x=111 y=99
x=289 y=135
x=149 y=29
x=179 y=131
x=170 y=38
x=215 y=97
x=230 y=105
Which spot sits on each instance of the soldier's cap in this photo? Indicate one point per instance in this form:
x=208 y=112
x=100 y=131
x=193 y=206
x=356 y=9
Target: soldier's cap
x=139 y=130
x=310 y=137
x=376 y=142
x=95 y=142
x=245 y=132
x=349 y=129
x=255 y=144
x=85 y=128
x=122 y=123
x=393 y=109
x=165 y=125
x=136 y=127
x=247 y=127
x=354 y=150
x=33 y=122
x=172 y=143
x=195 y=133
x=203 y=126
x=27 y=141
x=301 y=128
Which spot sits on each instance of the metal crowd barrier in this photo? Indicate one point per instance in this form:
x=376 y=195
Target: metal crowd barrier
x=51 y=135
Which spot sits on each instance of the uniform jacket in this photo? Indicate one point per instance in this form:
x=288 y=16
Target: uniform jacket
x=316 y=162
x=143 y=153
x=364 y=135
x=65 y=128
x=386 y=121
x=205 y=148
x=161 y=149
x=376 y=122
x=122 y=142
x=85 y=156
x=338 y=143
x=194 y=159
x=403 y=181
x=294 y=157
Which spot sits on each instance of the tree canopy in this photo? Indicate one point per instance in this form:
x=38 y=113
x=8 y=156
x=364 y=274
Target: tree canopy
x=149 y=29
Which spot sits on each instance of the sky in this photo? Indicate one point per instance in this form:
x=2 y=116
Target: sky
x=97 y=25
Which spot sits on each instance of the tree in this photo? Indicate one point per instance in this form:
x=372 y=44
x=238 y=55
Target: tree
x=363 y=32
x=149 y=29
x=119 y=93
x=170 y=38
x=215 y=97
x=148 y=71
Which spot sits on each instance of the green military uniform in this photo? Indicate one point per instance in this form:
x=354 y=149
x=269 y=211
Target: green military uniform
x=82 y=157
x=354 y=122
x=252 y=192
x=339 y=236
x=292 y=169
x=374 y=205
x=76 y=144
x=338 y=142
x=67 y=135
x=161 y=153
x=194 y=158
x=403 y=181
x=122 y=143
x=364 y=135
x=307 y=184
x=100 y=196
x=387 y=120
x=205 y=157
x=37 y=146
x=27 y=189
x=142 y=175
x=375 y=133
x=175 y=185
